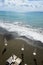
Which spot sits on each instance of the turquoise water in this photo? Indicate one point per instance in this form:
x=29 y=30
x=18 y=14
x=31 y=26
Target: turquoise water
x=28 y=24
x=34 y=19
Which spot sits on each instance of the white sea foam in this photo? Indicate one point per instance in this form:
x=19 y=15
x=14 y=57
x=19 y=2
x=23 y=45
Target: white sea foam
x=23 y=30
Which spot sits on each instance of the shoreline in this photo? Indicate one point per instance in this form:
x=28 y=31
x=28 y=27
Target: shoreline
x=14 y=35
x=29 y=32
x=29 y=41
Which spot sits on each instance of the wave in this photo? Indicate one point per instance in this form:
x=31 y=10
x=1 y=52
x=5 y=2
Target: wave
x=23 y=30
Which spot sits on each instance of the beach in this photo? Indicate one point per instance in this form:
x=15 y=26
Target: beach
x=21 y=30
x=14 y=47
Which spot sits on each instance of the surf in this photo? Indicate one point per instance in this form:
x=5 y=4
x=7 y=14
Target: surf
x=23 y=30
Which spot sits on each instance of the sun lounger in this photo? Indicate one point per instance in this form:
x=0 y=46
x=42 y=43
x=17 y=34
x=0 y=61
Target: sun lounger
x=11 y=59
x=18 y=61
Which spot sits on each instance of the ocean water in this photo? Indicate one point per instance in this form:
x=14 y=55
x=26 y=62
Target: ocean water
x=29 y=24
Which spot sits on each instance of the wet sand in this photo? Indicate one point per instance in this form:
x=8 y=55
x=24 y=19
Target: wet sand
x=15 y=45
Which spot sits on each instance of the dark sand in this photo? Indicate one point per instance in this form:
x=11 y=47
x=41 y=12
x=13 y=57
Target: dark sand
x=15 y=45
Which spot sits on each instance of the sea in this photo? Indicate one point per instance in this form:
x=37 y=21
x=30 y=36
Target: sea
x=28 y=24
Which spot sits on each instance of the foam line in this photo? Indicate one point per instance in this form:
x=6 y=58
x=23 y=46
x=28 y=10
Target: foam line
x=23 y=30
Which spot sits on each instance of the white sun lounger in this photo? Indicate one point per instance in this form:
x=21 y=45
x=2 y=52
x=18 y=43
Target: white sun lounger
x=11 y=59
x=18 y=61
